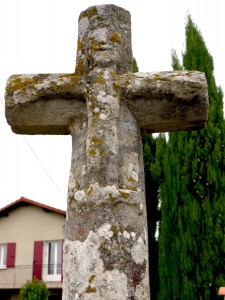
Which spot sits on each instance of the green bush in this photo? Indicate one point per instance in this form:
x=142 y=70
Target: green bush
x=34 y=290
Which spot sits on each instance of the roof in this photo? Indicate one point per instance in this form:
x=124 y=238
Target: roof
x=26 y=202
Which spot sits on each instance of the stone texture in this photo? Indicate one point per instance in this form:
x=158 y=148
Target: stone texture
x=105 y=108
x=160 y=102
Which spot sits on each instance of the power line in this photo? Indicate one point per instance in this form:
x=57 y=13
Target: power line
x=41 y=165
x=38 y=160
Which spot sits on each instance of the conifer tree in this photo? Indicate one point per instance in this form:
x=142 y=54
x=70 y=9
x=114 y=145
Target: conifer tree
x=135 y=66
x=192 y=227
x=153 y=213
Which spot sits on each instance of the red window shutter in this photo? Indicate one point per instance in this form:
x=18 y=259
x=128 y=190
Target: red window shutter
x=62 y=261
x=37 y=263
x=11 y=254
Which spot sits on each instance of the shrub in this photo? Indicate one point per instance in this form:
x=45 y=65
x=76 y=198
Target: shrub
x=34 y=290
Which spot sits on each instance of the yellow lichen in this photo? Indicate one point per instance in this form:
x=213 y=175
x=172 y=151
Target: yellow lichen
x=91 y=279
x=131 y=179
x=90 y=289
x=96 y=115
x=95 y=45
x=91 y=12
x=132 y=188
x=115 y=38
x=125 y=195
x=116 y=88
x=88 y=13
x=90 y=190
x=93 y=101
x=80 y=67
x=79 y=45
x=159 y=77
x=17 y=83
x=114 y=229
x=111 y=198
x=96 y=140
x=74 y=81
x=99 y=80
x=113 y=74
x=92 y=152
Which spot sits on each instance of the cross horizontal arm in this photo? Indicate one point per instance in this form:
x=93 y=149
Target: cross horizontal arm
x=167 y=101
x=44 y=103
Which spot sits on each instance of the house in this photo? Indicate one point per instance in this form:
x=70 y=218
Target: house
x=31 y=245
x=222 y=291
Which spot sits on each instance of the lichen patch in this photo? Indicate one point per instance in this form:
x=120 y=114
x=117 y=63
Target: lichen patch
x=83 y=262
x=138 y=251
x=115 y=37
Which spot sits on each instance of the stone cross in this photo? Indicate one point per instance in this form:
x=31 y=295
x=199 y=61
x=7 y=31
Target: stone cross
x=106 y=108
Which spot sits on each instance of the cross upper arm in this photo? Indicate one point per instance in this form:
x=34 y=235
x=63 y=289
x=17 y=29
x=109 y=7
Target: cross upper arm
x=167 y=101
x=44 y=103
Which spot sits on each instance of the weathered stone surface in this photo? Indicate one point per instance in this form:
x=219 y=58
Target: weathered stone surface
x=160 y=102
x=44 y=103
x=104 y=39
x=105 y=108
x=167 y=101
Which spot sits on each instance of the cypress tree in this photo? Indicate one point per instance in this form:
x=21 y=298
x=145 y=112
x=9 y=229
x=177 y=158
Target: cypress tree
x=150 y=151
x=135 y=66
x=192 y=227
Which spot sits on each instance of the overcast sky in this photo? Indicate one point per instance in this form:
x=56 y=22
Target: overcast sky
x=41 y=36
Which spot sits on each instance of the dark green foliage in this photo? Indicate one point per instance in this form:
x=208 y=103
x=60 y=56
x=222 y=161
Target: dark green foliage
x=135 y=66
x=151 y=187
x=192 y=229
x=175 y=61
x=34 y=290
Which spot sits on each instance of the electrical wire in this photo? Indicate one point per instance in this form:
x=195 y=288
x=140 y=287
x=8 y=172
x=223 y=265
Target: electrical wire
x=41 y=165
x=38 y=160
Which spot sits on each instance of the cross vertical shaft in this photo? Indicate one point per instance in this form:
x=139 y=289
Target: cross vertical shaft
x=101 y=214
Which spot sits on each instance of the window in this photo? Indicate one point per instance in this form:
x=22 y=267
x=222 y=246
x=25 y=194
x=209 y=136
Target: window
x=53 y=260
x=3 y=251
